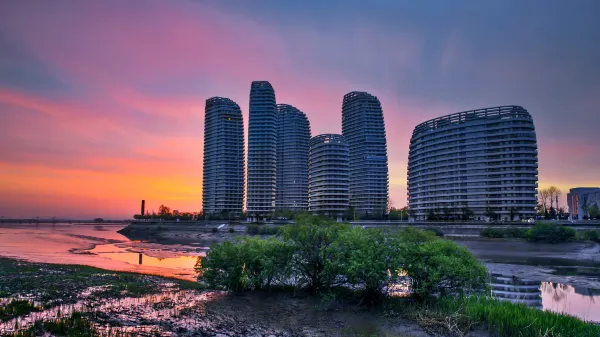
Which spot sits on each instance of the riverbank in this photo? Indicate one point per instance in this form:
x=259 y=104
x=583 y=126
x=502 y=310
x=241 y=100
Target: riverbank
x=100 y=302
x=116 y=302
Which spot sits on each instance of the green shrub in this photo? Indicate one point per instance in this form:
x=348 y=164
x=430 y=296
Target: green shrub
x=550 y=233
x=246 y=264
x=323 y=256
x=515 y=232
x=512 y=232
x=363 y=258
x=255 y=229
x=592 y=235
x=310 y=239
x=436 y=230
x=438 y=266
x=268 y=230
x=490 y=232
x=252 y=229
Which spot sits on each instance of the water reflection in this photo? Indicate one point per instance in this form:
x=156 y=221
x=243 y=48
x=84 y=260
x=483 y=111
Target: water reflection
x=114 y=252
x=581 y=302
x=97 y=246
x=516 y=290
x=137 y=314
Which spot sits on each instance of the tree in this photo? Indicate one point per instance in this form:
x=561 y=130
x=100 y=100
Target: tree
x=553 y=193
x=164 y=210
x=431 y=215
x=584 y=205
x=543 y=196
x=448 y=213
x=593 y=211
x=310 y=238
x=561 y=212
x=350 y=214
x=395 y=214
x=513 y=212
x=389 y=205
x=490 y=213
x=467 y=213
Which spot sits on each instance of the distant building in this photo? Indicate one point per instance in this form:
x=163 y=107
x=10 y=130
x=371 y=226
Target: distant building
x=481 y=160
x=581 y=198
x=293 y=136
x=223 y=167
x=328 y=178
x=262 y=150
x=363 y=128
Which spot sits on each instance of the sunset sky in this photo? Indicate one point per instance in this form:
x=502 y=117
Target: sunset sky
x=102 y=102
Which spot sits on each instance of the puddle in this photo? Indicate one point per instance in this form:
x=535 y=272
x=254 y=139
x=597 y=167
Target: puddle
x=129 y=314
x=114 y=252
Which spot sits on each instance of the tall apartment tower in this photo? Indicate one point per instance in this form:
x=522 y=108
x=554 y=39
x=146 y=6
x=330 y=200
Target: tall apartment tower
x=262 y=150
x=293 y=136
x=480 y=163
x=328 y=176
x=223 y=175
x=364 y=130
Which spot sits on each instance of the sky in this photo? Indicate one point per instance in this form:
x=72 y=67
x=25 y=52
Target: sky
x=102 y=102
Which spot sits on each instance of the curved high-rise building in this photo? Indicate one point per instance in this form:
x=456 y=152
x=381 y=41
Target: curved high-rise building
x=481 y=161
x=328 y=176
x=223 y=167
x=364 y=130
x=262 y=150
x=292 y=159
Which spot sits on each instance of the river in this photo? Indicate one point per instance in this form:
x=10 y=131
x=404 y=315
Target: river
x=561 y=278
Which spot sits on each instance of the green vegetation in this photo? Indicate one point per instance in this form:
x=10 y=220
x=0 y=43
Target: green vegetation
x=541 y=232
x=16 y=308
x=256 y=229
x=436 y=230
x=76 y=325
x=515 y=232
x=456 y=316
x=592 y=235
x=322 y=256
x=550 y=233
x=54 y=284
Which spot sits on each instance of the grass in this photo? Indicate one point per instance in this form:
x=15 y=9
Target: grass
x=54 y=284
x=456 y=316
x=77 y=325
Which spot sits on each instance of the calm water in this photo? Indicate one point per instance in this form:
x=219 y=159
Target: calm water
x=101 y=246
x=98 y=246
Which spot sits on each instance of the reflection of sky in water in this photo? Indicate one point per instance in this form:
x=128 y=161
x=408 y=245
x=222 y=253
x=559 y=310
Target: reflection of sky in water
x=55 y=244
x=121 y=254
x=579 y=302
x=47 y=243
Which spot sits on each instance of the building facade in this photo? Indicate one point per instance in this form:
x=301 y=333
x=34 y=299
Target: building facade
x=262 y=150
x=223 y=167
x=293 y=137
x=582 y=201
x=481 y=164
x=363 y=128
x=328 y=177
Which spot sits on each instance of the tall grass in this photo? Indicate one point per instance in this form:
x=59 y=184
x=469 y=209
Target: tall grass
x=506 y=318
x=77 y=325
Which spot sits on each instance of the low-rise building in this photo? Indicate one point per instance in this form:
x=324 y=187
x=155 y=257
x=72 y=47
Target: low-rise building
x=582 y=200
